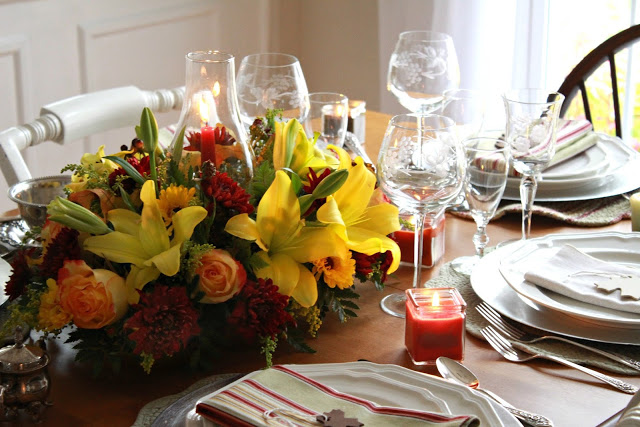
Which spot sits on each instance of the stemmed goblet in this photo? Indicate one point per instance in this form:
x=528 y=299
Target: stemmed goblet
x=422 y=66
x=271 y=81
x=421 y=168
x=532 y=121
x=484 y=184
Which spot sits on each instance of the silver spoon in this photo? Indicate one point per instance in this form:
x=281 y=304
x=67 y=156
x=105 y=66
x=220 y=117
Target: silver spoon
x=459 y=374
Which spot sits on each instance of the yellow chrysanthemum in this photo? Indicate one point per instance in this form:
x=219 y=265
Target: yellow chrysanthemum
x=337 y=271
x=174 y=198
x=51 y=316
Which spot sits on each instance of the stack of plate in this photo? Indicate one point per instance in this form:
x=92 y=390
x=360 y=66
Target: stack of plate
x=504 y=288
x=606 y=169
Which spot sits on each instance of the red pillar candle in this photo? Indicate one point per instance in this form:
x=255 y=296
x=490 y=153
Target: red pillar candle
x=434 y=324
x=208 y=144
x=433 y=244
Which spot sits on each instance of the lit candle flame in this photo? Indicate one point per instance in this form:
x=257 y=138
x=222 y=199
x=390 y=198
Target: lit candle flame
x=216 y=89
x=339 y=110
x=435 y=301
x=204 y=112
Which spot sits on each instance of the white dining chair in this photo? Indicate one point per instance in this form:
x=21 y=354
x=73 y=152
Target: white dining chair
x=77 y=117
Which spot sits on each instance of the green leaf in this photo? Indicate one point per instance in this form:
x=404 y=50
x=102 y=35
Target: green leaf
x=331 y=183
x=305 y=202
x=148 y=131
x=178 y=142
x=127 y=200
x=257 y=263
x=296 y=182
x=263 y=176
x=130 y=170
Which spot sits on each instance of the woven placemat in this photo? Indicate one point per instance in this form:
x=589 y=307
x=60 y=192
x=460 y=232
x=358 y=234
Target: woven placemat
x=448 y=277
x=584 y=213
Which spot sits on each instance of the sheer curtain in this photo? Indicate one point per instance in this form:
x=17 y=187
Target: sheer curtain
x=500 y=44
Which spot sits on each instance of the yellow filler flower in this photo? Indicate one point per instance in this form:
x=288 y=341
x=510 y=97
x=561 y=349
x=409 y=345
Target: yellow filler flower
x=356 y=217
x=144 y=241
x=285 y=241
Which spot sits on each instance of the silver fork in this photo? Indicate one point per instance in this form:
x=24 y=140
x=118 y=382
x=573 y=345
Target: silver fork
x=514 y=333
x=509 y=352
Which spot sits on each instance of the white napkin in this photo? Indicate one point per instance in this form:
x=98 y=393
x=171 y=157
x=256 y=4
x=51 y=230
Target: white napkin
x=574 y=274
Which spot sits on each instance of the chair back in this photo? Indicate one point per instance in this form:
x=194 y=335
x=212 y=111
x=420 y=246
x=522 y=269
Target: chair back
x=576 y=80
x=77 y=117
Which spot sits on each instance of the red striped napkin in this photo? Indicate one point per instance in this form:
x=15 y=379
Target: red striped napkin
x=281 y=394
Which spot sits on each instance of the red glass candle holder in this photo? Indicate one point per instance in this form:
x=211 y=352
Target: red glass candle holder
x=435 y=324
x=433 y=244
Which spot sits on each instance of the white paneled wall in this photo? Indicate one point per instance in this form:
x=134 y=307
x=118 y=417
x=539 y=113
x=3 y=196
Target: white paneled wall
x=54 y=49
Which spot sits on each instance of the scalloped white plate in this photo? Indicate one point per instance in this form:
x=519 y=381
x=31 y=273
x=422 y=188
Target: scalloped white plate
x=392 y=385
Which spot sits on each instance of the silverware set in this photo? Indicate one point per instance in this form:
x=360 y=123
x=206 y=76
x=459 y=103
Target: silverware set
x=507 y=340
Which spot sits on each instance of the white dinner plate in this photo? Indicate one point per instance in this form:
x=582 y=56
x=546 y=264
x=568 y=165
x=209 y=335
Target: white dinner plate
x=395 y=386
x=620 y=176
x=623 y=248
x=591 y=161
x=491 y=287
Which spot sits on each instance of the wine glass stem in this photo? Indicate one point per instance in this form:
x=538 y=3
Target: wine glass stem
x=418 y=246
x=480 y=239
x=528 y=187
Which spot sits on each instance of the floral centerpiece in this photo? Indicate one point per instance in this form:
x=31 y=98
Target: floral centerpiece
x=153 y=254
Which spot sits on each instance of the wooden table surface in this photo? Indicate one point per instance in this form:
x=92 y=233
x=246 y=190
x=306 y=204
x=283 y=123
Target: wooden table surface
x=566 y=396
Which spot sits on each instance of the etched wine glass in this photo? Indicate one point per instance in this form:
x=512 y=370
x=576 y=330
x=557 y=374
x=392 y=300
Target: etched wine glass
x=421 y=168
x=271 y=81
x=485 y=181
x=422 y=66
x=532 y=121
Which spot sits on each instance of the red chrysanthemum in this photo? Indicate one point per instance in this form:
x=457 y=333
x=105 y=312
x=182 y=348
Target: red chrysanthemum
x=194 y=139
x=163 y=322
x=220 y=134
x=63 y=247
x=366 y=265
x=226 y=192
x=21 y=273
x=260 y=311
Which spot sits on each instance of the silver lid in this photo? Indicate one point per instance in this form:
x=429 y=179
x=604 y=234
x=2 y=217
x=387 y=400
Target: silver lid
x=20 y=358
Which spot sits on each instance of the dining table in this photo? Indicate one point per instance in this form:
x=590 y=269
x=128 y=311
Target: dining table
x=565 y=395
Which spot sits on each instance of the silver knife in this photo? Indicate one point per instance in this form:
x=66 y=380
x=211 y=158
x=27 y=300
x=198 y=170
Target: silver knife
x=524 y=416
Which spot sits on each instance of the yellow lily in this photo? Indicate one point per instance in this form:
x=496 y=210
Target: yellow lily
x=292 y=149
x=360 y=219
x=97 y=162
x=144 y=241
x=285 y=241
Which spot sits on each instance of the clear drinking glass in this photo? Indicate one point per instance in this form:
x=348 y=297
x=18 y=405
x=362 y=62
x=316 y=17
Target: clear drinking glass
x=271 y=81
x=466 y=107
x=421 y=168
x=423 y=65
x=532 y=121
x=328 y=117
x=484 y=184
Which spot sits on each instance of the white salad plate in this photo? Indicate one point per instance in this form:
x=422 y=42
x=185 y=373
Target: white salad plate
x=619 y=176
x=491 y=287
x=395 y=386
x=591 y=161
x=622 y=248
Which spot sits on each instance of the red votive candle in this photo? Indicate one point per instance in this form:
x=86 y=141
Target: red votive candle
x=207 y=144
x=434 y=324
x=433 y=244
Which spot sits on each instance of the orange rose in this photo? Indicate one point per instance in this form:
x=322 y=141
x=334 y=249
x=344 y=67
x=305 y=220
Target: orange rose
x=221 y=276
x=95 y=298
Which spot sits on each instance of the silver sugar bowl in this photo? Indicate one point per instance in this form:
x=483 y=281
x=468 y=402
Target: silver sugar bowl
x=24 y=380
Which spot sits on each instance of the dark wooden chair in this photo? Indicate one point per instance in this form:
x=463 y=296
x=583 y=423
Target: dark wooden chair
x=578 y=76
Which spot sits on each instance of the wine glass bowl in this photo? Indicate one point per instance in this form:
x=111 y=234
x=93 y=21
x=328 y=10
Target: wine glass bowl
x=271 y=81
x=422 y=66
x=421 y=168
x=532 y=121
x=484 y=184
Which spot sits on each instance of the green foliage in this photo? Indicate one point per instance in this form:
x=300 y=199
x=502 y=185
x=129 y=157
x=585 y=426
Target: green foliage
x=130 y=170
x=295 y=338
x=268 y=347
x=338 y=301
x=263 y=176
x=100 y=349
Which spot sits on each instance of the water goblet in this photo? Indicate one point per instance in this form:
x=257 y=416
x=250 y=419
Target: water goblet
x=422 y=66
x=271 y=81
x=484 y=184
x=328 y=117
x=421 y=168
x=532 y=121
